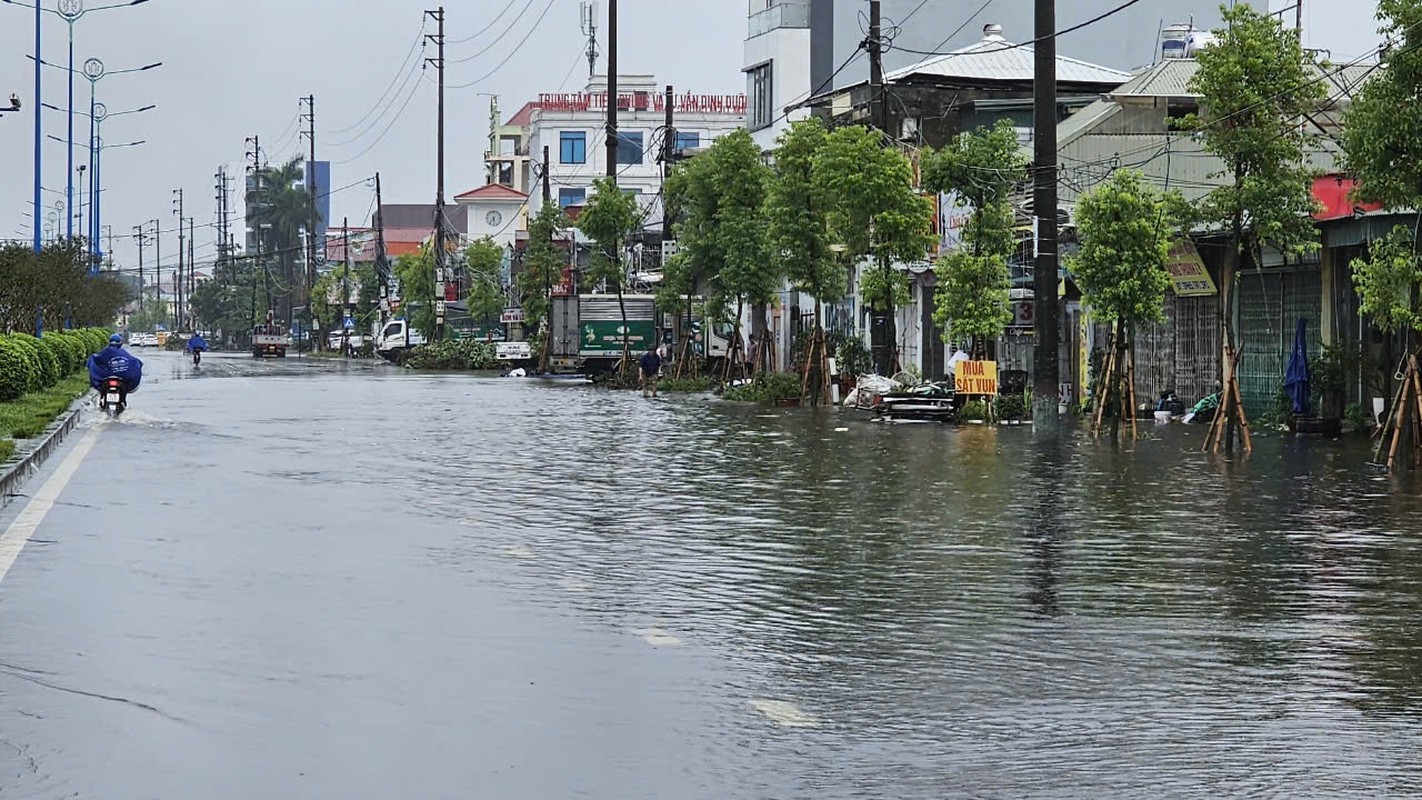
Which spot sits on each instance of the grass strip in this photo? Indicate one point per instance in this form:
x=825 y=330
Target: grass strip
x=28 y=416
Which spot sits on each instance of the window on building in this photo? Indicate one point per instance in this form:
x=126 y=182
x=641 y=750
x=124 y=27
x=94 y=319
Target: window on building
x=760 y=97
x=571 y=197
x=629 y=147
x=687 y=140
x=573 y=147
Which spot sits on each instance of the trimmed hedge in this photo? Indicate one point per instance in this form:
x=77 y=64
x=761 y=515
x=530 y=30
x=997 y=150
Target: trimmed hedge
x=28 y=364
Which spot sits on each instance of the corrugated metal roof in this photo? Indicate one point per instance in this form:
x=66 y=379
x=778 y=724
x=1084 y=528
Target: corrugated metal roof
x=1085 y=120
x=1169 y=78
x=996 y=59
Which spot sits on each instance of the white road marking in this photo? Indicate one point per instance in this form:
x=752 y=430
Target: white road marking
x=784 y=713
x=18 y=534
x=657 y=637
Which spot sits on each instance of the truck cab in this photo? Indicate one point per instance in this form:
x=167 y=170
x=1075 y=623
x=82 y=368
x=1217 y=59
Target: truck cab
x=269 y=339
x=396 y=338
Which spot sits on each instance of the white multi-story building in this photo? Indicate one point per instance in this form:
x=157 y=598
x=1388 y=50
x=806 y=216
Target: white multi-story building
x=777 y=66
x=573 y=126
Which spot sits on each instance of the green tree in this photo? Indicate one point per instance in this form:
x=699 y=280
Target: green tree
x=283 y=211
x=153 y=314
x=979 y=170
x=543 y=263
x=56 y=284
x=719 y=199
x=1256 y=87
x=1387 y=281
x=1382 y=131
x=797 y=213
x=1125 y=228
x=415 y=274
x=483 y=262
x=609 y=218
x=875 y=212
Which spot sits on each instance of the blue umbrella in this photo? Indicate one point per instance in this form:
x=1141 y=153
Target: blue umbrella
x=1296 y=379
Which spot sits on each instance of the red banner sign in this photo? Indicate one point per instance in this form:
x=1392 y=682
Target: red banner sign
x=732 y=104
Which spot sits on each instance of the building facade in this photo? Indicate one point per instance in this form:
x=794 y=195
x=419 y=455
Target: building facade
x=573 y=127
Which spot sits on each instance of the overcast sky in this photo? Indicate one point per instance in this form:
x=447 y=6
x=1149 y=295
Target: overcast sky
x=233 y=69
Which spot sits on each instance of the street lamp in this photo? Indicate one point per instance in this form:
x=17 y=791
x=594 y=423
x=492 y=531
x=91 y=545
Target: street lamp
x=70 y=11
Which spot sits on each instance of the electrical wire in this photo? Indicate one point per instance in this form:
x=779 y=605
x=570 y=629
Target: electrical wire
x=486 y=48
x=965 y=24
x=485 y=29
x=404 y=64
x=1039 y=39
x=412 y=72
x=414 y=90
x=510 y=56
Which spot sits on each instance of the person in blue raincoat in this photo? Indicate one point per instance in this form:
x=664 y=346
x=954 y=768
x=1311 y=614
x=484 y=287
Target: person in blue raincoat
x=195 y=347
x=115 y=361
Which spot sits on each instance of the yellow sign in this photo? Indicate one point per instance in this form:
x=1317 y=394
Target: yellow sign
x=1187 y=271
x=976 y=377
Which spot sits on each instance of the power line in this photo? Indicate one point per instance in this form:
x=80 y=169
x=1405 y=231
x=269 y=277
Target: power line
x=414 y=90
x=1031 y=42
x=404 y=64
x=411 y=72
x=510 y=56
x=483 y=30
x=486 y=48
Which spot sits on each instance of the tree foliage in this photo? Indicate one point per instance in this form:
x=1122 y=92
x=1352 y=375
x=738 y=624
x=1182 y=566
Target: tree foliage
x=415 y=274
x=982 y=167
x=609 y=218
x=284 y=209
x=483 y=262
x=719 y=200
x=798 y=215
x=1126 y=229
x=542 y=263
x=1387 y=281
x=1382 y=134
x=978 y=170
x=1256 y=86
x=56 y=284
x=874 y=211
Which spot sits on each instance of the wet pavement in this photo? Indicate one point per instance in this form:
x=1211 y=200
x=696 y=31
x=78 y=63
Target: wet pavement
x=314 y=579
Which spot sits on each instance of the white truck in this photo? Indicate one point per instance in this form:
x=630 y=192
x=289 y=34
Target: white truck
x=396 y=338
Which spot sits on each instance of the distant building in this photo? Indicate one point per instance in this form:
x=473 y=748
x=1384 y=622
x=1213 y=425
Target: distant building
x=796 y=49
x=494 y=211
x=573 y=127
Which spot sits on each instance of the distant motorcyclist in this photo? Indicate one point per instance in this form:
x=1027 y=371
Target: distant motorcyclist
x=114 y=361
x=196 y=346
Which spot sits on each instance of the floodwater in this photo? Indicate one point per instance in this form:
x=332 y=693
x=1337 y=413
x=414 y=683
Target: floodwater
x=578 y=592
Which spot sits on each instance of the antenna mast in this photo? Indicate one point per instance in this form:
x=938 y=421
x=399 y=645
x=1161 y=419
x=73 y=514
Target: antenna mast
x=588 y=20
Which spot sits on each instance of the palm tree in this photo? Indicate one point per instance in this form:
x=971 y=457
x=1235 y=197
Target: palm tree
x=286 y=209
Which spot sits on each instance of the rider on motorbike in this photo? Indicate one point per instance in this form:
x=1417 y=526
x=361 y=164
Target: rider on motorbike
x=195 y=347
x=117 y=362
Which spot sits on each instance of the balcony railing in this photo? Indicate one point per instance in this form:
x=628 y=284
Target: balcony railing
x=790 y=14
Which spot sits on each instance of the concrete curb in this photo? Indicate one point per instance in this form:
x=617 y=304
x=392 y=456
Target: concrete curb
x=22 y=470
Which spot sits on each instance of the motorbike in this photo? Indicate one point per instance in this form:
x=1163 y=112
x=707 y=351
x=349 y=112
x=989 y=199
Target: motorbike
x=197 y=357
x=112 y=400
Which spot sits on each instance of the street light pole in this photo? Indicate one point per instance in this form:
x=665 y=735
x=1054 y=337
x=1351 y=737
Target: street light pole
x=39 y=138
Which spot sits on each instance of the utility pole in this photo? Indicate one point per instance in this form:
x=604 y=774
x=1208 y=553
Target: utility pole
x=109 y=232
x=345 y=285
x=382 y=265
x=1044 y=206
x=589 y=27
x=310 y=133
x=182 y=241
x=547 y=189
x=138 y=236
x=441 y=257
x=158 y=260
x=1298 y=20
x=612 y=90
x=876 y=68
x=192 y=275
x=668 y=155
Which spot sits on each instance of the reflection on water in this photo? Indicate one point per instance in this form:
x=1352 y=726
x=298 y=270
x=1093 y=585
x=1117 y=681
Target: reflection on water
x=958 y=612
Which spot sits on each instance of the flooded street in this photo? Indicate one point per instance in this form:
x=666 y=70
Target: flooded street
x=285 y=579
